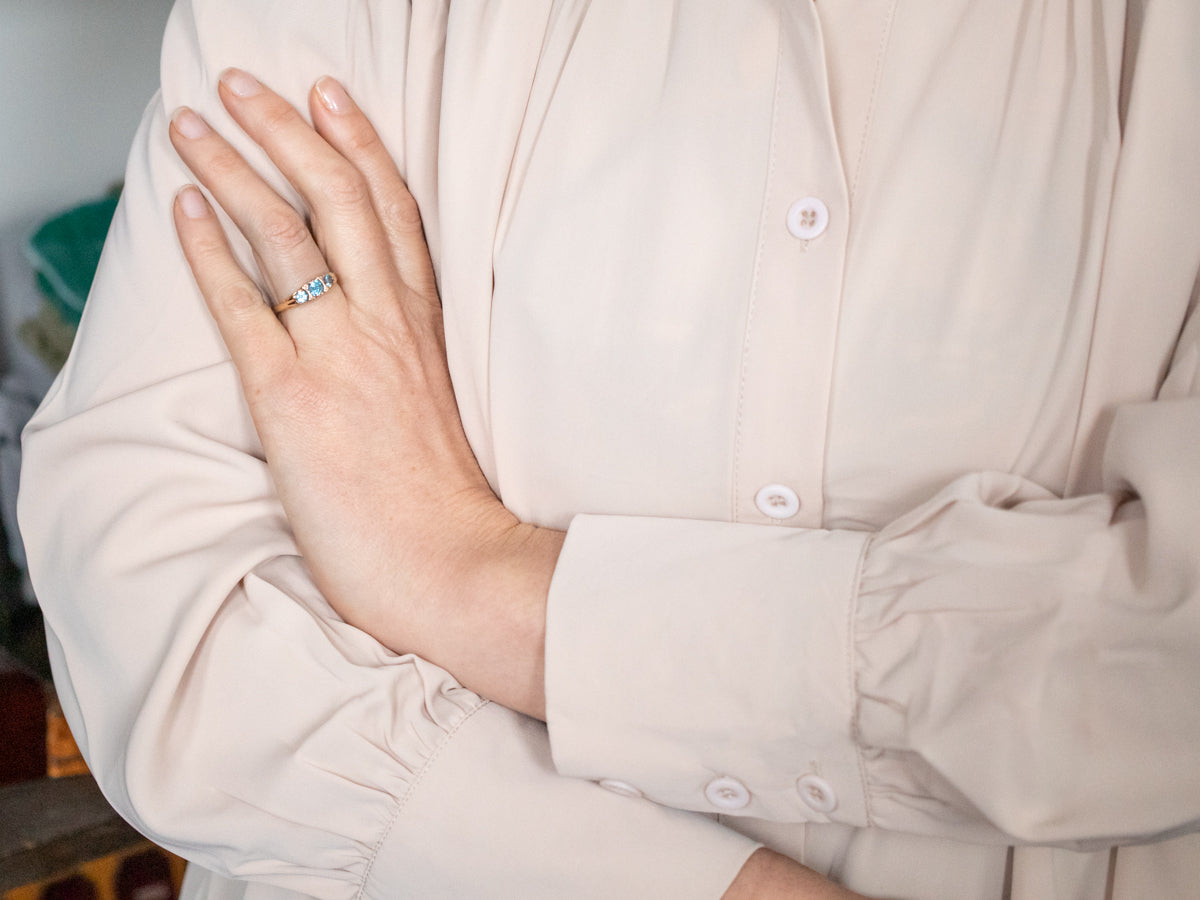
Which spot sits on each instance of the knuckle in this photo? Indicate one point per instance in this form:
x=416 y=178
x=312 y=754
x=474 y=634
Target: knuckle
x=346 y=187
x=398 y=209
x=279 y=117
x=238 y=300
x=364 y=141
x=225 y=163
x=208 y=249
x=283 y=230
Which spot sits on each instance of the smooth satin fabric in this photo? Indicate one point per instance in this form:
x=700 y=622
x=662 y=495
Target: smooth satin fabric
x=979 y=382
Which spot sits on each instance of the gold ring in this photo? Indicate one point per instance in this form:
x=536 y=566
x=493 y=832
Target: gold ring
x=311 y=290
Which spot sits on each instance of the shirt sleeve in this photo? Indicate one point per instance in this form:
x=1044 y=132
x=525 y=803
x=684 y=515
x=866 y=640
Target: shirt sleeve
x=997 y=665
x=1000 y=664
x=224 y=707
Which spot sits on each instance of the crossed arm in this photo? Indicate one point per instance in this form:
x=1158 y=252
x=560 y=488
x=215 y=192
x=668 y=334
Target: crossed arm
x=352 y=400
x=197 y=513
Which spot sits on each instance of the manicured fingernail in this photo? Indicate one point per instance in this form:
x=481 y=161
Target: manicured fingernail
x=241 y=83
x=333 y=96
x=192 y=202
x=189 y=124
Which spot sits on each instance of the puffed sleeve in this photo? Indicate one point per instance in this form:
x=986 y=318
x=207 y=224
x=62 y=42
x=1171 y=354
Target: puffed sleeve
x=226 y=710
x=998 y=664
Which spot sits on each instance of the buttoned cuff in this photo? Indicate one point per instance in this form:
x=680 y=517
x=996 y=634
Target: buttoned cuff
x=532 y=833
x=708 y=665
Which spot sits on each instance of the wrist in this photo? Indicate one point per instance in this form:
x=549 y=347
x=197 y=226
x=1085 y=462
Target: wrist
x=770 y=874
x=489 y=626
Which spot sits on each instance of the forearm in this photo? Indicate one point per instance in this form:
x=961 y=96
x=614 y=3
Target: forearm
x=767 y=874
x=501 y=651
x=486 y=619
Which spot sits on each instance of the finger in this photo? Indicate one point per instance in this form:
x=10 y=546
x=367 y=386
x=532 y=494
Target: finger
x=279 y=236
x=344 y=220
x=258 y=344
x=343 y=124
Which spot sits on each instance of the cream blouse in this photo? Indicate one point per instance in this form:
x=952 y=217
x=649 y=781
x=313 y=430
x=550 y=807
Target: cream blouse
x=853 y=341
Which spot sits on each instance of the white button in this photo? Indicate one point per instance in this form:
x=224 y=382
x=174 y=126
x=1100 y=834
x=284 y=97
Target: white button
x=624 y=788
x=777 y=501
x=727 y=793
x=808 y=218
x=817 y=793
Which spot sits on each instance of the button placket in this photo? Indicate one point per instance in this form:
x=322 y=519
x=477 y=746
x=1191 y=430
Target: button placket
x=777 y=501
x=792 y=324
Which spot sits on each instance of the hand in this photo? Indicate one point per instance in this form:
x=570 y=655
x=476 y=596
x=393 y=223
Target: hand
x=767 y=874
x=353 y=402
x=351 y=394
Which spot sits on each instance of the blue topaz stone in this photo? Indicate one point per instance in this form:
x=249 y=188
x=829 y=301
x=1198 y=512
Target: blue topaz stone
x=301 y=296
x=316 y=287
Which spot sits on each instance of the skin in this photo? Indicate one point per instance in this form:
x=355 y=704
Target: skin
x=353 y=403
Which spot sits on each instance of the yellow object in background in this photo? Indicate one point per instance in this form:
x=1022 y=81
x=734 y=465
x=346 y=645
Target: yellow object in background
x=62 y=753
x=142 y=872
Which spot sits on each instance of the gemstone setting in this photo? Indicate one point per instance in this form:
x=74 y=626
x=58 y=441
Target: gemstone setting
x=310 y=290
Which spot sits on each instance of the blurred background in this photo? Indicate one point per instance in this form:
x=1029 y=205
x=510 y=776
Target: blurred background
x=77 y=75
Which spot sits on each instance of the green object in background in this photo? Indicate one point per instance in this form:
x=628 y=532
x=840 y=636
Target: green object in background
x=48 y=335
x=65 y=251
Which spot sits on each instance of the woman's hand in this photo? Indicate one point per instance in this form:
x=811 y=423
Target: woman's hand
x=351 y=394
x=352 y=400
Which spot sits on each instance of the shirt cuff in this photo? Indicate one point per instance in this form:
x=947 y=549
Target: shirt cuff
x=533 y=833
x=708 y=665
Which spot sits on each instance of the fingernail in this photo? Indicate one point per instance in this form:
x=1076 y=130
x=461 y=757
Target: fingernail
x=192 y=202
x=333 y=96
x=189 y=124
x=241 y=83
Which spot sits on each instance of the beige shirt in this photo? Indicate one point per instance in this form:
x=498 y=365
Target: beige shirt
x=854 y=342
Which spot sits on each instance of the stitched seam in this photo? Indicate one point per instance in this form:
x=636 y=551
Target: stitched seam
x=402 y=801
x=852 y=676
x=884 y=39
x=762 y=239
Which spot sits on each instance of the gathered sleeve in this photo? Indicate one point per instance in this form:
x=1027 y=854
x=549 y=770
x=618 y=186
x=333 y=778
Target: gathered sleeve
x=999 y=664
x=224 y=707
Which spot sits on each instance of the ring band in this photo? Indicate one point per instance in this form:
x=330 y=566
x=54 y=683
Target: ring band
x=311 y=290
